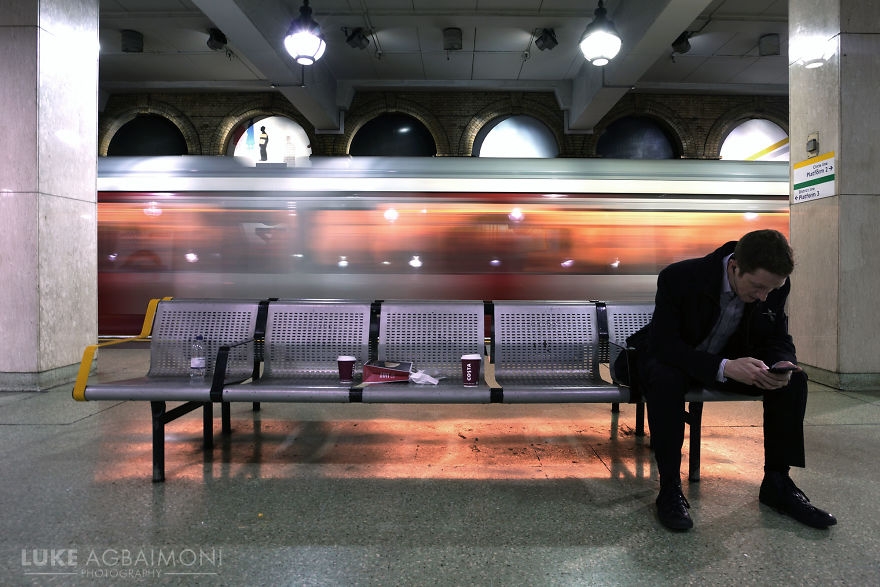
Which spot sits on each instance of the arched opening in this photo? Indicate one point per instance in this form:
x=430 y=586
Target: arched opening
x=515 y=136
x=636 y=137
x=757 y=139
x=286 y=141
x=147 y=135
x=393 y=135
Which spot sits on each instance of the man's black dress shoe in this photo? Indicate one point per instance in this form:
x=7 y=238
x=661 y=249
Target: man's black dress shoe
x=779 y=492
x=672 y=508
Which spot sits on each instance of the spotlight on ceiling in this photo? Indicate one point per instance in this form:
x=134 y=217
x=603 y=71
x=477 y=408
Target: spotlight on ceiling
x=216 y=39
x=681 y=43
x=132 y=41
x=304 y=40
x=768 y=45
x=600 y=43
x=356 y=38
x=545 y=39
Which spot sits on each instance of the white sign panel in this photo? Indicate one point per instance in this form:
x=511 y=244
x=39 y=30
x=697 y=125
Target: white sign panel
x=814 y=179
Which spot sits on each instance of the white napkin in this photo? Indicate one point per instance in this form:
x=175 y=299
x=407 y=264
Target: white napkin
x=422 y=377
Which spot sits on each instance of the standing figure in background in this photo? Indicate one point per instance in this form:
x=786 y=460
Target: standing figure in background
x=264 y=140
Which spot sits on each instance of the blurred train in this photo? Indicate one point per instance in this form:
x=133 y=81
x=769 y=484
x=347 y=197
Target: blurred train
x=414 y=228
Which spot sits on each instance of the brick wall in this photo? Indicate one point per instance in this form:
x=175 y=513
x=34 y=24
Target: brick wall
x=698 y=123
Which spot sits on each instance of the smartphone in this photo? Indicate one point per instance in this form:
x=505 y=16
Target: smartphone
x=782 y=369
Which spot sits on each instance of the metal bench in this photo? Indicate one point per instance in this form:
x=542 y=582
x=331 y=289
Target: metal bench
x=624 y=319
x=228 y=328
x=540 y=352
x=549 y=352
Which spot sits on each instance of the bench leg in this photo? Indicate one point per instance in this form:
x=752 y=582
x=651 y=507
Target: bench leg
x=208 y=426
x=256 y=406
x=158 y=409
x=640 y=419
x=226 y=418
x=162 y=417
x=695 y=419
x=615 y=408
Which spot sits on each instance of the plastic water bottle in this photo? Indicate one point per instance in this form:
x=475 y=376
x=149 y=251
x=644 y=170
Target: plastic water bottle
x=197 y=359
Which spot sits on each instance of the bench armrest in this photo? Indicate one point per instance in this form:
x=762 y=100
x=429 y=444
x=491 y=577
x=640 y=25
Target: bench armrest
x=621 y=361
x=219 y=378
x=625 y=368
x=85 y=365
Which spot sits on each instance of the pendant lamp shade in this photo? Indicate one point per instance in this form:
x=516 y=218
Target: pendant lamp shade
x=304 y=40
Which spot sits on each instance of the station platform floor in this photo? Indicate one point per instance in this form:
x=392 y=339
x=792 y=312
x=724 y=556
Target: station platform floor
x=471 y=495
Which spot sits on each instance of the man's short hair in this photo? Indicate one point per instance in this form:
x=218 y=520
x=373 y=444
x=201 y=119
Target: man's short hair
x=764 y=249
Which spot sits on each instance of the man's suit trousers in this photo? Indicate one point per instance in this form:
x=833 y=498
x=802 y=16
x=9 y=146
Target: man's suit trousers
x=664 y=388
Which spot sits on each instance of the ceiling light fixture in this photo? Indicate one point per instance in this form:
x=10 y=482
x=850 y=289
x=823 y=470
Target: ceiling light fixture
x=600 y=43
x=304 y=40
x=545 y=39
x=356 y=38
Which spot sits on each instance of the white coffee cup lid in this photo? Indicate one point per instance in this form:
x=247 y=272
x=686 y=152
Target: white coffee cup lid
x=474 y=356
x=345 y=358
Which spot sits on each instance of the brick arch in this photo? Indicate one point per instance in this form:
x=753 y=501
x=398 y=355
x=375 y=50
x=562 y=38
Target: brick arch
x=256 y=109
x=388 y=103
x=736 y=116
x=112 y=122
x=505 y=109
x=665 y=116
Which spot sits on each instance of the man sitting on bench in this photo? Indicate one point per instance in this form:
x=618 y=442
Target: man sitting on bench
x=719 y=321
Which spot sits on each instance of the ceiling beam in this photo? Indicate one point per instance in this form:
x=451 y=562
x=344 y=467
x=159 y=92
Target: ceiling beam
x=256 y=29
x=647 y=32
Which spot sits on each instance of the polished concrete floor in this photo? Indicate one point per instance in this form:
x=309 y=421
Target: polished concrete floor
x=348 y=494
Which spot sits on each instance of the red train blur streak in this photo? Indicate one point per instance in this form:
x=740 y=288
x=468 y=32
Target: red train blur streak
x=406 y=243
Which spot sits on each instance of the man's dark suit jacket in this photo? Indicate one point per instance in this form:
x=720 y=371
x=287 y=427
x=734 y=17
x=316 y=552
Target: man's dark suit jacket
x=686 y=308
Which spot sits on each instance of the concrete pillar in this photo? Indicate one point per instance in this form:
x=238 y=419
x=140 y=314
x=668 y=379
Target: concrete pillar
x=835 y=319
x=48 y=241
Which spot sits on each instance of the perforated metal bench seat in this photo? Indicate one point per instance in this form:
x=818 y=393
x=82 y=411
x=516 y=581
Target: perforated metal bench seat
x=624 y=319
x=176 y=323
x=433 y=335
x=549 y=352
x=302 y=342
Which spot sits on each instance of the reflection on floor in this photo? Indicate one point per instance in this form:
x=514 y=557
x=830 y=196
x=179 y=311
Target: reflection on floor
x=353 y=494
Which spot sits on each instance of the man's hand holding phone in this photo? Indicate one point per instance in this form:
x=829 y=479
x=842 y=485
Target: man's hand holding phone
x=783 y=368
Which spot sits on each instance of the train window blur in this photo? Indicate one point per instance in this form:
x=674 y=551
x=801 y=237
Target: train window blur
x=636 y=137
x=147 y=134
x=287 y=141
x=516 y=136
x=756 y=140
x=393 y=135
